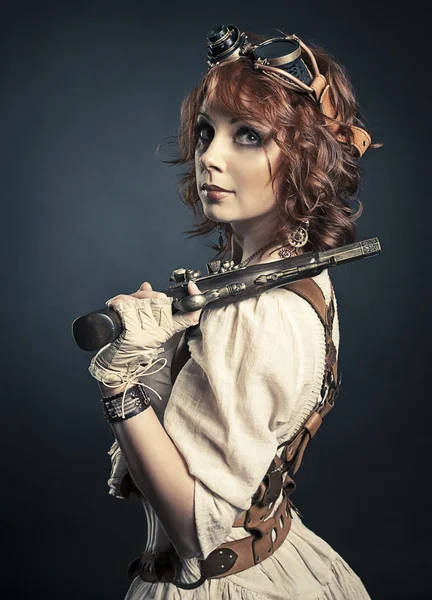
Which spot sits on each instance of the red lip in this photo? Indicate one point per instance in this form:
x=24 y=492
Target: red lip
x=213 y=188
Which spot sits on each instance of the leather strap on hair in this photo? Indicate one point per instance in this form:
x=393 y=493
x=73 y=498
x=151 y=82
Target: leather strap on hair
x=320 y=90
x=361 y=139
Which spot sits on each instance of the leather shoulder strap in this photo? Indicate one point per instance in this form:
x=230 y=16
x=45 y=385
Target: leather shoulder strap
x=312 y=293
x=294 y=449
x=180 y=357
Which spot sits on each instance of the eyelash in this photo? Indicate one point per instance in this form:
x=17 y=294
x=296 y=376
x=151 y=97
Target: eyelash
x=242 y=130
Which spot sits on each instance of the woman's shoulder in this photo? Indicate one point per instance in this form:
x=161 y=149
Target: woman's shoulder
x=270 y=307
x=283 y=300
x=278 y=317
x=264 y=312
x=294 y=301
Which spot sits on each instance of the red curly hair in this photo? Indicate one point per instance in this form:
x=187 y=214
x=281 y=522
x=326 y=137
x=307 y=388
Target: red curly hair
x=316 y=177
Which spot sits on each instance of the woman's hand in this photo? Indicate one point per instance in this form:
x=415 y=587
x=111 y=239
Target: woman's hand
x=148 y=322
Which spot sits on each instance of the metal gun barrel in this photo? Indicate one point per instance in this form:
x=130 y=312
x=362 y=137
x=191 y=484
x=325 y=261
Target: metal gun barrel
x=101 y=327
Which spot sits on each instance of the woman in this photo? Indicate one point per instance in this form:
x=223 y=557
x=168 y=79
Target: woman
x=274 y=169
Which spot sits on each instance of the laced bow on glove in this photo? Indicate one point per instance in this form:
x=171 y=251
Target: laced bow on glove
x=148 y=322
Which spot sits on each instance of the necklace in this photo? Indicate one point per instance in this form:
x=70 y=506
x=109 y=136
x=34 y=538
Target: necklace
x=218 y=266
x=249 y=258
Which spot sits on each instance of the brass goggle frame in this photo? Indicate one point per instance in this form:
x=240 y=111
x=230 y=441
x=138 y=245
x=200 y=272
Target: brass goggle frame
x=318 y=89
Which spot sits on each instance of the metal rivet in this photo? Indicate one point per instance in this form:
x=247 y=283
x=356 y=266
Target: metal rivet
x=256 y=557
x=230 y=555
x=220 y=551
x=269 y=549
x=222 y=566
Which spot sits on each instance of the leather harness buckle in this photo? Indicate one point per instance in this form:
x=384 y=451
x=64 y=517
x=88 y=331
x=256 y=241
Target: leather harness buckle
x=262 y=544
x=273 y=483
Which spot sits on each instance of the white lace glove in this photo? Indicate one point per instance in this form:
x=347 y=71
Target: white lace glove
x=148 y=322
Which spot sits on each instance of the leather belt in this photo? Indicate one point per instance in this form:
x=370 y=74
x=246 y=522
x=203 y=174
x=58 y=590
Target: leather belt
x=236 y=556
x=267 y=535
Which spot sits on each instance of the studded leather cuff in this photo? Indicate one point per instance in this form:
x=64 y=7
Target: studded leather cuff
x=135 y=402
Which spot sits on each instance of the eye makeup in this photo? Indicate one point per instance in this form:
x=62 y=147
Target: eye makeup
x=244 y=130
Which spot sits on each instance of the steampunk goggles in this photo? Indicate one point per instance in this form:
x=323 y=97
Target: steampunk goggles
x=281 y=58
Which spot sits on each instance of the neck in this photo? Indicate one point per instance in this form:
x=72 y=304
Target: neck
x=247 y=238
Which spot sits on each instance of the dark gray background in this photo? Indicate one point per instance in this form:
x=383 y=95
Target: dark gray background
x=88 y=90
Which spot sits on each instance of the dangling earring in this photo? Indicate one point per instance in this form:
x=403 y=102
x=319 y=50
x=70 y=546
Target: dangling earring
x=296 y=239
x=299 y=237
x=221 y=243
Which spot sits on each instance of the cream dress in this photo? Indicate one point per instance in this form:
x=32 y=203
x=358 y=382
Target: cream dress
x=255 y=374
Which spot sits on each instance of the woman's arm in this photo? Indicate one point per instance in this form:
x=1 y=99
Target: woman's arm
x=241 y=394
x=160 y=473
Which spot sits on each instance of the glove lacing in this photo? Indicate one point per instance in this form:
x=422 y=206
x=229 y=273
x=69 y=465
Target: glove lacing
x=134 y=371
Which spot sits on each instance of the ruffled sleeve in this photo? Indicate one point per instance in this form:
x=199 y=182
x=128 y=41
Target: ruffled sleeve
x=120 y=483
x=233 y=401
x=158 y=385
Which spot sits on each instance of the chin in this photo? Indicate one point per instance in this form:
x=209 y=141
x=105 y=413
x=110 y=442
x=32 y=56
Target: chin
x=216 y=213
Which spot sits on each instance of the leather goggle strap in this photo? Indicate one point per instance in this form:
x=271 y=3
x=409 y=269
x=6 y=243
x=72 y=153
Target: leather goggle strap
x=319 y=89
x=361 y=139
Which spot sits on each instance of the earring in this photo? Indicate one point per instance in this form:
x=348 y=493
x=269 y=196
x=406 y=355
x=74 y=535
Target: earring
x=296 y=239
x=299 y=237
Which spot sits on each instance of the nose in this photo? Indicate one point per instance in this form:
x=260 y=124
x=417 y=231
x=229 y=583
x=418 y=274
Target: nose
x=214 y=156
